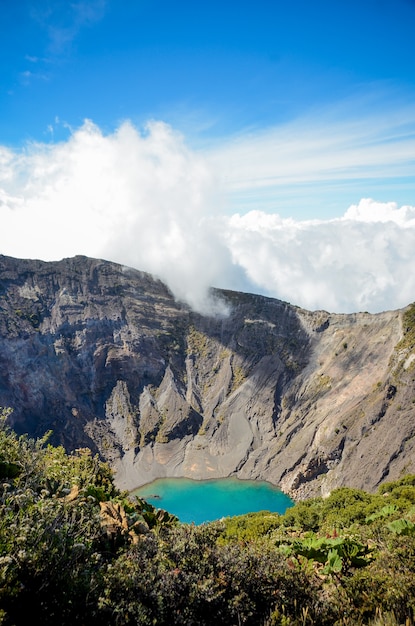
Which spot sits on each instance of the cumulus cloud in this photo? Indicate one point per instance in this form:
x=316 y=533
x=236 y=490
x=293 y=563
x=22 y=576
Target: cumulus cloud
x=362 y=261
x=144 y=199
x=141 y=199
x=370 y=211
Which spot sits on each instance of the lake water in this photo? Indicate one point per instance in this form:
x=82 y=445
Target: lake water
x=202 y=501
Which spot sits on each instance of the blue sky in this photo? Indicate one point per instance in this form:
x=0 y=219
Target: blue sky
x=216 y=71
x=294 y=110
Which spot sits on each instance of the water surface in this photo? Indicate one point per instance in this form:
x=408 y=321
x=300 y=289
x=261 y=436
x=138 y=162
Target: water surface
x=202 y=501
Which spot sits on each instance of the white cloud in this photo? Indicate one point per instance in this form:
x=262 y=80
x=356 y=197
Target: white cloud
x=140 y=199
x=363 y=261
x=64 y=20
x=146 y=200
x=370 y=211
x=358 y=143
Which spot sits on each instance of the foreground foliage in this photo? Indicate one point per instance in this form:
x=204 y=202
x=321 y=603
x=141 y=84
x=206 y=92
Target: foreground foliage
x=75 y=550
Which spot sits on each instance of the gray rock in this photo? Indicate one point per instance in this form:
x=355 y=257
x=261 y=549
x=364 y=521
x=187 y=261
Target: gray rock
x=104 y=357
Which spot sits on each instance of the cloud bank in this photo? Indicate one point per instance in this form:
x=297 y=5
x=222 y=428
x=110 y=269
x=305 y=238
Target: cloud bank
x=144 y=199
x=363 y=261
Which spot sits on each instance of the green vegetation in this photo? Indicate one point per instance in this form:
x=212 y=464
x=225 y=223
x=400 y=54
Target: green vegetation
x=238 y=377
x=76 y=550
x=408 y=328
x=405 y=347
x=197 y=343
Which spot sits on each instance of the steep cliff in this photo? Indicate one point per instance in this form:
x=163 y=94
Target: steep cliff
x=104 y=357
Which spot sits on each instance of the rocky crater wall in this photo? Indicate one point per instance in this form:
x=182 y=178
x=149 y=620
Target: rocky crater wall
x=104 y=357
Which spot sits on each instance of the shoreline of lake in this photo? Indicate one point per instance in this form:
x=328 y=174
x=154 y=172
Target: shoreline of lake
x=199 y=501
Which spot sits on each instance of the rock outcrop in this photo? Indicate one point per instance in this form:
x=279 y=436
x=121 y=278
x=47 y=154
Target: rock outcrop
x=104 y=357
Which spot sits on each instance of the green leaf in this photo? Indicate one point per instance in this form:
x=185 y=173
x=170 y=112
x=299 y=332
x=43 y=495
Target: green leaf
x=334 y=563
x=385 y=511
x=402 y=527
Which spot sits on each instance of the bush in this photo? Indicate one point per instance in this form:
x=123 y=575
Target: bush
x=55 y=542
x=74 y=549
x=191 y=579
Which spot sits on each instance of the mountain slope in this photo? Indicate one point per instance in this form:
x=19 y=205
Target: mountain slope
x=106 y=358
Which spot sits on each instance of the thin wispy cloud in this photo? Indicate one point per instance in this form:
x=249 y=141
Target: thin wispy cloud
x=63 y=21
x=27 y=77
x=354 y=142
x=143 y=198
x=57 y=24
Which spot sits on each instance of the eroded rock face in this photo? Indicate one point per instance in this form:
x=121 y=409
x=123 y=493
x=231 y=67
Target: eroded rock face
x=104 y=357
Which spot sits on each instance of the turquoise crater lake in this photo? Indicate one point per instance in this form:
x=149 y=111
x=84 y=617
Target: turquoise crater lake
x=199 y=501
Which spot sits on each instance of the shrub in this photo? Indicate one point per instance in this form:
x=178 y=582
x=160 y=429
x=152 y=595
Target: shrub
x=74 y=549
